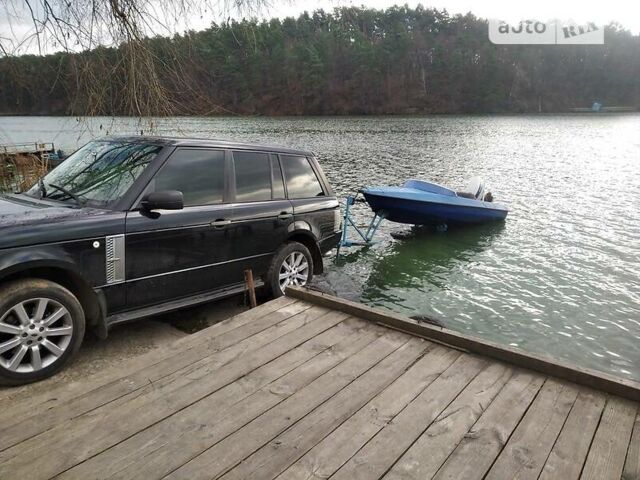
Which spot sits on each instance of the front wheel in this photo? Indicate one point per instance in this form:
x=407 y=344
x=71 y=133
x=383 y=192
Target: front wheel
x=41 y=327
x=291 y=265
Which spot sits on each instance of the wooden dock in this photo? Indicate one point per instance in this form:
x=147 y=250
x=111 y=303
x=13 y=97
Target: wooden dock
x=312 y=387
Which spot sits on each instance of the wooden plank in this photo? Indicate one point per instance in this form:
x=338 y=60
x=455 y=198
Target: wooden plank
x=570 y=451
x=475 y=454
x=109 y=426
x=233 y=405
x=274 y=457
x=233 y=343
x=224 y=455
x=379 y=454
x=548 y=366
x=428 y=453
x=337 y=448
x=632 y=463
x=609 y=448
x=58 y=395
x=148 y=367
x=527 y=450
x=331 y=370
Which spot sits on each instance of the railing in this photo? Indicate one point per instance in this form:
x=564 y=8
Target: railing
x=34 y=147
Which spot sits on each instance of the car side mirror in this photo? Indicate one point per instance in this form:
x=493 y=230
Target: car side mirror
x=166 y=200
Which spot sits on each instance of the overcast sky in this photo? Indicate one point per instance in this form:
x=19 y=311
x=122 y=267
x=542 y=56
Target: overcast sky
x=625 y=12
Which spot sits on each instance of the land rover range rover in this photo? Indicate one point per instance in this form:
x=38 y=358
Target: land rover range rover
x=128 y=227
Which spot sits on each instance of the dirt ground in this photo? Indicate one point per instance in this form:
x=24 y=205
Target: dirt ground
x=126 y=342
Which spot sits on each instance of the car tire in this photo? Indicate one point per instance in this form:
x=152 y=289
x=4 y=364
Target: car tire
x=294 y=260
x=42 y=325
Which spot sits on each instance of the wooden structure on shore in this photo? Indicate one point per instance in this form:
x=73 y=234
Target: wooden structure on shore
x=41 y=150
x=311 y=386
x=22 y=164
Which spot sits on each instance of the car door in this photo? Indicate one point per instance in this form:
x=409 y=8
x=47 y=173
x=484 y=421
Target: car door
x=261 y=215
x=178 y=253
x=314 y=206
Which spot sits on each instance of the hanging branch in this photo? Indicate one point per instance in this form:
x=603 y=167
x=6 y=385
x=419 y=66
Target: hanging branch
x=122 y=32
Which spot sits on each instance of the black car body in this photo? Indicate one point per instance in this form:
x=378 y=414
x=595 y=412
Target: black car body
x=124 y=258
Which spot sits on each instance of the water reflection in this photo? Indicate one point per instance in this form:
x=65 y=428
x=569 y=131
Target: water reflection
x=417 y=261
x=422 y=249
x=426 y=257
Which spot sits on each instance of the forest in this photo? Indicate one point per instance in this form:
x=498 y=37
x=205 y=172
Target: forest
x=350 y=61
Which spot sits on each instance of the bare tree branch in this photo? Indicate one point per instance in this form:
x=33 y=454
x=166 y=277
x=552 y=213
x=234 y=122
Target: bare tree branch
x=122 y=29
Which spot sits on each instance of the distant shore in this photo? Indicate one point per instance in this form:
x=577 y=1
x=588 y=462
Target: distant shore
x=576 y=110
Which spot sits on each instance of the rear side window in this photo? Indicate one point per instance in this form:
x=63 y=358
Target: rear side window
x=198 y=174
x=302 y=181
x=253 y=176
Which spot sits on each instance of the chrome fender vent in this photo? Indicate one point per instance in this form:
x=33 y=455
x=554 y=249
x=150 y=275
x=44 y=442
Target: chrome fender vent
x=114 y=250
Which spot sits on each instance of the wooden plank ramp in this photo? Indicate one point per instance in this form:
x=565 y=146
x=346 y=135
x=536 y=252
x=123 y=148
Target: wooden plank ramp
x=313 y=387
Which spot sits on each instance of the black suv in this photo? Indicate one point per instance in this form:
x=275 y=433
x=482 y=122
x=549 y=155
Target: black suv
x=130 y=227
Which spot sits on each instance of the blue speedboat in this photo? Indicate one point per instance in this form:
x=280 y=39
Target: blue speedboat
x=425 y=203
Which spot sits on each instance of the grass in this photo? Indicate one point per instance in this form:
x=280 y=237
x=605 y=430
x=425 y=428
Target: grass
x=18 y=172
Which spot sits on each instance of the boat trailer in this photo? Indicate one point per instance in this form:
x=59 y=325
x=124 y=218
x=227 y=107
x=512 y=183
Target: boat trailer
x=366 y=233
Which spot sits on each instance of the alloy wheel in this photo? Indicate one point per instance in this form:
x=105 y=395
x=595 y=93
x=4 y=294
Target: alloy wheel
x=34 y=334
x=294 y=271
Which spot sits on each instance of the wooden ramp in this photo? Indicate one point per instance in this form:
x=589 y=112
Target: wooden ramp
x=309 y=386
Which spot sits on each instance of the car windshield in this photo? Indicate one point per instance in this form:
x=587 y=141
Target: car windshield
x=98 y=174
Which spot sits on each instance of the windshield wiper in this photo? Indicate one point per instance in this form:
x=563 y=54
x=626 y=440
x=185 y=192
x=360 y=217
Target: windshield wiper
x=68 y=193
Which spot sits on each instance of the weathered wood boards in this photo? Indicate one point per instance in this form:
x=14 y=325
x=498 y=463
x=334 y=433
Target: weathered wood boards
x=62 y=395
x=567 y=456
x=433 y=447
x=161 y=367
x=159 y=449
x=473 y=456
x=335 y=449
x=354 y=379
x=582 y=376
x=116 y=421
x=525 y=453
x=631 y=469
x=295 y=390
x=610 y=445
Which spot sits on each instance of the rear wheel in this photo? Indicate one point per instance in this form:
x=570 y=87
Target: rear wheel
x=291 y=265
x=41 y=327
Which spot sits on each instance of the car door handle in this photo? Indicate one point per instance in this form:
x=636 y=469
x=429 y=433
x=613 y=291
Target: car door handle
x=284 y=216
x=220 y=223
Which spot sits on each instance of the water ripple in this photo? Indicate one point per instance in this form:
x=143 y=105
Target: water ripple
x=560 y=277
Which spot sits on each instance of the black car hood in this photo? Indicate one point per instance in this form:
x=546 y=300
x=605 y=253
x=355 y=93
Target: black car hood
x=23 y=210
x=29 y=221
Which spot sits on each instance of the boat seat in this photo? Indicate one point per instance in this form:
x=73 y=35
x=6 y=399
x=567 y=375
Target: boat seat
x=487 y=198
x=466 y=195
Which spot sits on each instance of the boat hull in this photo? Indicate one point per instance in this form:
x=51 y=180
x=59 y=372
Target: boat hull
x=432 y=209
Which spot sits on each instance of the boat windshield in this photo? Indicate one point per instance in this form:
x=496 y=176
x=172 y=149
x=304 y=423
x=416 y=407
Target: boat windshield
x=475 y=187
x=98 y=174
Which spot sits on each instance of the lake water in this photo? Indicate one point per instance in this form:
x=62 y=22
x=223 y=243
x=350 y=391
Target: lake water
x=561 y=276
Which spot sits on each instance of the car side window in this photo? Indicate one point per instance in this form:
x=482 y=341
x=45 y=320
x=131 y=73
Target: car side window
x=197 y=173
x=253 y=176
x=301 y=180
